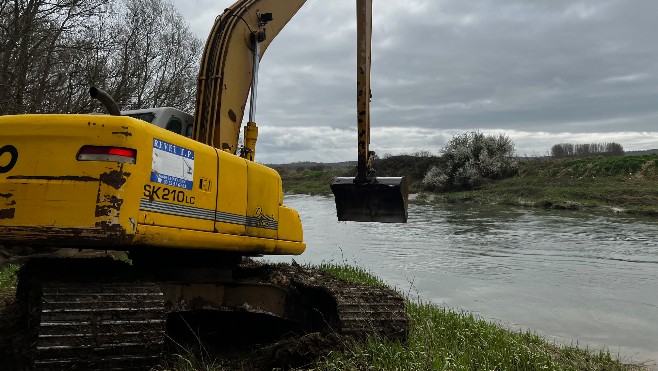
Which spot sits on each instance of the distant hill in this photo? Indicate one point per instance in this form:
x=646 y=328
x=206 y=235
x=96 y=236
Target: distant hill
x=641 y=153
x=307 y=165
x=402 y=163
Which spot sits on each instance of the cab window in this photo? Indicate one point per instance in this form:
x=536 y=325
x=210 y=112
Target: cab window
x=174 y=125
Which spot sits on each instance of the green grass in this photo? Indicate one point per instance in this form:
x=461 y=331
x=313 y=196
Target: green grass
x=443 y=339
x=594 y=166
x=625 y=184
x=312 y=182
x=351 y=274
x=8 y=277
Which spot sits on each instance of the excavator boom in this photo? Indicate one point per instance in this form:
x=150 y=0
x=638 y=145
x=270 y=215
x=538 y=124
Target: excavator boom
x=226 y=73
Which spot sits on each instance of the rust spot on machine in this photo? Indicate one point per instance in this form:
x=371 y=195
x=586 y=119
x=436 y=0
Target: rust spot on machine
x=7 y=213
x=125 y=133
x=99 y=237
x=54 y=178
x=110 y=204
x=115 y=178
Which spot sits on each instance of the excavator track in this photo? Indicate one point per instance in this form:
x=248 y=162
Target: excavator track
x=364 y=310
x=75 y=323
x=92 y=314
x=347 y=308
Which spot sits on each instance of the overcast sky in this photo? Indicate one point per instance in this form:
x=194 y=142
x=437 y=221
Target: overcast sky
x=543 y=72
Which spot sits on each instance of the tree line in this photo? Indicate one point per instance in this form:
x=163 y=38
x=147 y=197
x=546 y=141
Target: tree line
x=587 y=149
x=51 y=51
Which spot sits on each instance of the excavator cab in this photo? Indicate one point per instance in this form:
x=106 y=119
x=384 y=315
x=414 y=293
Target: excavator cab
x=365 y=198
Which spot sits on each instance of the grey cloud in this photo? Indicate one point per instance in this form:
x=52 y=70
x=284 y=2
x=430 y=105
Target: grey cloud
x=588 y=68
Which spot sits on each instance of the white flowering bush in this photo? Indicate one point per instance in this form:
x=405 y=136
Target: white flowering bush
x=470 y=160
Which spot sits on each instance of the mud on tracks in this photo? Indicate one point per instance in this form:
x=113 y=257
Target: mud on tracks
x=346 y=310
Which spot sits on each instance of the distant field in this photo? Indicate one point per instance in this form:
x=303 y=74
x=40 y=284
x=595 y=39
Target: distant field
x=619 y=184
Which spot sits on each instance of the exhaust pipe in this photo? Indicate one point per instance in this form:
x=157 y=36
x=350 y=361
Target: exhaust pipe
x=109 y=103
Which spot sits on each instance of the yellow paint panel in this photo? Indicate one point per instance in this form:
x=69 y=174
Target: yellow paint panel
x=184 y=239
x=264 y=187
x=49 y=186
x=232 y=193
x=290 y=226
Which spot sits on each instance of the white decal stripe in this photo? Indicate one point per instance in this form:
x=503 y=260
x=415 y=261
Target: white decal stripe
x=164 y=208
x=204 y=214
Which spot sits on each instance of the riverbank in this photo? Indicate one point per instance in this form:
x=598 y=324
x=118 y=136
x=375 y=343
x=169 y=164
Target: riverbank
x=444 y=339
x=439 y=339
x=611 y=184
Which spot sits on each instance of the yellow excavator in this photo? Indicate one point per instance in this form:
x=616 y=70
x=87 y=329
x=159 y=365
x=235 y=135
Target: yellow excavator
x=187 y=204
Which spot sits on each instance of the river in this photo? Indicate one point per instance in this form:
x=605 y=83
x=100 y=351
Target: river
x=572 y=277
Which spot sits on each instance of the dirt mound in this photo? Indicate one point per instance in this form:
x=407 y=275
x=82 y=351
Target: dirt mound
x=303 y=351
x=294 y=352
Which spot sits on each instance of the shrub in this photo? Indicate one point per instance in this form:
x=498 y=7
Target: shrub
x=413 y=166
x=470 y=160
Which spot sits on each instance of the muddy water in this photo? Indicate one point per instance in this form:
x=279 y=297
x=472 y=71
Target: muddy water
x=573 y=277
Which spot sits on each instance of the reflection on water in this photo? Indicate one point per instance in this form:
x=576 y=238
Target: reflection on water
x=570 y=276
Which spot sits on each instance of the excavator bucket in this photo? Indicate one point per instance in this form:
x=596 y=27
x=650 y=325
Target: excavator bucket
x=382 y=200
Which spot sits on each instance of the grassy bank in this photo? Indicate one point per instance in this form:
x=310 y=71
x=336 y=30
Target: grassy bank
x=8 y=279
x=315 y=179
x=439 y=339
x=443 y=339
x=619 y=184
x=311 y=182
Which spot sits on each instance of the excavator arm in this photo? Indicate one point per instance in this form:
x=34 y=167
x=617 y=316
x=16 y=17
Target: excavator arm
x=227 y=68
x=366 y=198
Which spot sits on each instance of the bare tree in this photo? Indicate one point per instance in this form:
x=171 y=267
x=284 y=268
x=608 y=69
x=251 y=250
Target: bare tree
x=53 y=50
x=156 y=58
x=37 y=45
x=587 y=149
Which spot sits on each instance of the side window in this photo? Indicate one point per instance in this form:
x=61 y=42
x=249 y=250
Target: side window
x=188 y=131
x=175 y=125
